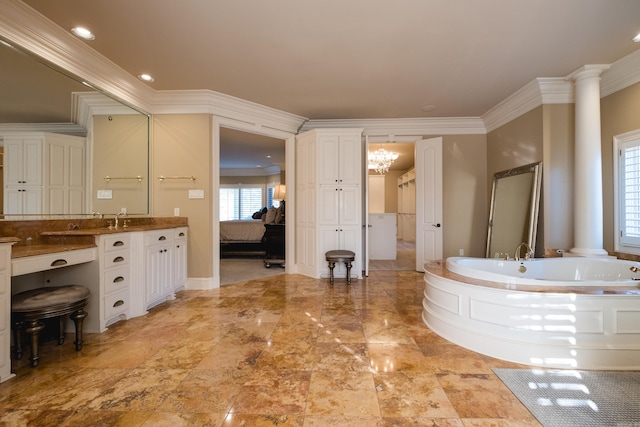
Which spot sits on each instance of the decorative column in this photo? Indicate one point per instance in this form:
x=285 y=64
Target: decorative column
x=587 y=203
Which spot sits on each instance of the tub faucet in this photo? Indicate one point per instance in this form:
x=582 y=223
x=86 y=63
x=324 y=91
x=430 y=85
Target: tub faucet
x=527 y=256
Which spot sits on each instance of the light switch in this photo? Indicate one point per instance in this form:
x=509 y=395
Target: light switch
x=196 y=194
x=105 y=194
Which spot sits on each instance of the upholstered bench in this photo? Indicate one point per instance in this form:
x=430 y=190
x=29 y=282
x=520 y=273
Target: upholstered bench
x=340 y=256
x=29 y=308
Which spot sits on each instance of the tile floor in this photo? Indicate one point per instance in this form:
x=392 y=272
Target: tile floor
x=286 y=350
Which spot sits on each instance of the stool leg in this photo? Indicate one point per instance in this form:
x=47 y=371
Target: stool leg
x=17 y=338
x=61 y=330
x=331 y=266
x=78 y=319
x=34 y=329
x=348 y=264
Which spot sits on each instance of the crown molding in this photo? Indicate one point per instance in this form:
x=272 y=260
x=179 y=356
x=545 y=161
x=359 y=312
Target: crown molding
x=543 y=90
x=269 y=170
x=622 y=73
x=63 y=128
x=27 y=29
x=219 y=104
x=409 y=126
x=85 y=105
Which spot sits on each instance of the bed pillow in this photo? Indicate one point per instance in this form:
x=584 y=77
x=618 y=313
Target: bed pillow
x=278 y=218
x=271 y=215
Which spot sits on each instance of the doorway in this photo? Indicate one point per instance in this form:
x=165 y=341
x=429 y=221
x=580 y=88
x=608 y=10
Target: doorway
x=251 y=167
x=426 y=216
x=391 y=206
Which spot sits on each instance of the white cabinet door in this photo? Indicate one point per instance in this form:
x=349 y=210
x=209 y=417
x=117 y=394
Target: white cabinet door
x=328 y=149
x=5 y=312
x=350 y=202
x=328 y=204
x=159 y=266
x=349 y=159
x=180 y=264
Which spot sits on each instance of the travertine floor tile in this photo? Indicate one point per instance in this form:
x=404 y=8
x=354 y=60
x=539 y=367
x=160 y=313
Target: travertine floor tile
x=286 y=350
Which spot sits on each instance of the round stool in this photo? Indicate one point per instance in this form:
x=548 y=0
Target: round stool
x=29 y=308
x=340 y=256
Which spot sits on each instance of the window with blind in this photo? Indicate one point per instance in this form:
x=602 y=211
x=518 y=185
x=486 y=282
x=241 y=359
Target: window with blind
x=240 y=202
x=627 y=192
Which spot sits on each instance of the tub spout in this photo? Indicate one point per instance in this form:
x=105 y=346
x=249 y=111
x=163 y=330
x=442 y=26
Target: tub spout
x=527 y=256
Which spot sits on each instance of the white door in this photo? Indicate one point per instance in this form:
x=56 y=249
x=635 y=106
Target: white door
x=428 y=166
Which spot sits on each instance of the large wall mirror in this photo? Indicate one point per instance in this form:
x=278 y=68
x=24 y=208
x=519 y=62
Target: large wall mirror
x=40 y=99
x=513 y=218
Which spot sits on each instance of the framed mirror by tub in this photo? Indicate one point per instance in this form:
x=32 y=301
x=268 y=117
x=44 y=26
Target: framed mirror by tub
x=39 y=99
x=513 y=218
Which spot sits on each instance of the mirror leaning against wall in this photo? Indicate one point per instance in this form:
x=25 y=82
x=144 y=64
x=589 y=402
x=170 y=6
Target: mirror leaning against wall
x=67 y=149
x=513 y=219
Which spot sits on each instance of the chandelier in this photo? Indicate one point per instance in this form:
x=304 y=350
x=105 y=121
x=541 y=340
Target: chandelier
x=381 y=159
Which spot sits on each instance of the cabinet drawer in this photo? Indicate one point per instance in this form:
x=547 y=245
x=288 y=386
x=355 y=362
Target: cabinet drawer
x=180 y=233
x=116 y=259
x=33 y=264
x=115 y=304
x=116 y=242
x=158 y=236
x=116 y=279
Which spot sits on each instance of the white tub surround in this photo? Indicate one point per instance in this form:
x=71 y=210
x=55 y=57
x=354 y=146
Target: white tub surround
x=587 y=203
x=564 y=324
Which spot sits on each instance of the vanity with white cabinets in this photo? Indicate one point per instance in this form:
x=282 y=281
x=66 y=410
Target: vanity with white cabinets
x=127 y=270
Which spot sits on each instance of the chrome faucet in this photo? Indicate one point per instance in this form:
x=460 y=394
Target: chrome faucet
x=96 y=214
x=527 y=256
x=118 y=215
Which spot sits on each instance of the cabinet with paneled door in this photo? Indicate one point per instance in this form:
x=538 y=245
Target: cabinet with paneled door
x=329 y=198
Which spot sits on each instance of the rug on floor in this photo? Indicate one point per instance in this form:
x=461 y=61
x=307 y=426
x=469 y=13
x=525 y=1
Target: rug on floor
x=559 y=398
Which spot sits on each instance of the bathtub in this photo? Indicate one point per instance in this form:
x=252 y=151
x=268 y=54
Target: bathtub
x=574 y=313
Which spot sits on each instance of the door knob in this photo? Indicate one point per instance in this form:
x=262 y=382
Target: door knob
x=437 y=225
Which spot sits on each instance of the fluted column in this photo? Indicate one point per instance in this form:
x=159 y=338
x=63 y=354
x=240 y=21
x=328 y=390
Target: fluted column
x=587 y=202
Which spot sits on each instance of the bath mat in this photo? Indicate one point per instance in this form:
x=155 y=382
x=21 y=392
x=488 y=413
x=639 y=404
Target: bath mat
x=559 y=398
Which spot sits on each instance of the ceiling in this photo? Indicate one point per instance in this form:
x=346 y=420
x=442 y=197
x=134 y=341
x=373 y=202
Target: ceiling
x=336 y=59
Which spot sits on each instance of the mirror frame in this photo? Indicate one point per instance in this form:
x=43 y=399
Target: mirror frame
x=531 y=225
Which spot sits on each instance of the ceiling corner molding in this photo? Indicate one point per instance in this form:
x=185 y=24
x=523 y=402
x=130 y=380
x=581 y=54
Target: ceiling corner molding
x=31 y=31
x=84 y=105
x=227 y=106
x=549 y=90
x=622 y=73
x=63 y=128
x=406 y=126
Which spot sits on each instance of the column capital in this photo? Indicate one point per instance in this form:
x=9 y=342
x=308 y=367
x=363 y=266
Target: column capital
x=588 y=71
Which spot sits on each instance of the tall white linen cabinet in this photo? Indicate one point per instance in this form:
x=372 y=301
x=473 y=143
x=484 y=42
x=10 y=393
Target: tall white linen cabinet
x=329 y=171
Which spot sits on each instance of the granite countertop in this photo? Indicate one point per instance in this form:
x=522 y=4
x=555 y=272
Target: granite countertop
x=107 y=230
x=40 y=237
x=9 y=240
x=22 y=251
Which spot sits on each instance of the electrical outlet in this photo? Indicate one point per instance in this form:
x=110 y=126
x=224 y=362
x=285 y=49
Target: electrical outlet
x=176 y=211
x=461 y=252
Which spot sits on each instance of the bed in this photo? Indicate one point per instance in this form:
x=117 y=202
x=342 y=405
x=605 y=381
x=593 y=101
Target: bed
x=241 y=237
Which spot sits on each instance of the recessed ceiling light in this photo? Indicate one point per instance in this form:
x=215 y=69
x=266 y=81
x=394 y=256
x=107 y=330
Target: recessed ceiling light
x=83 y=33
x=428 y=108
x=146 y=78
x=636 y=38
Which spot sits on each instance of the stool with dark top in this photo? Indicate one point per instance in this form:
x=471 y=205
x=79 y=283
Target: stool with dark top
x=340 y=256
x=29 y=308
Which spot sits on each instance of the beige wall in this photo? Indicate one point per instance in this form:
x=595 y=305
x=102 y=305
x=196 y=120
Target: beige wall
x=121 y=149
x=620 y=113
x=464 y=170
x=181 y=146
x=555 y=228
x=517 y=143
